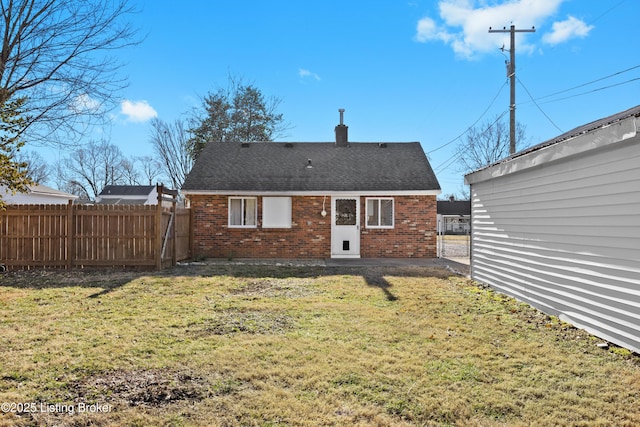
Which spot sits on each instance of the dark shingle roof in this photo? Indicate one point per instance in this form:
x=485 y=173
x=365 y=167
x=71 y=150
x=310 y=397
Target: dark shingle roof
x=271 y=166
x=126 y=190
x=122 y=201
x=455 y=207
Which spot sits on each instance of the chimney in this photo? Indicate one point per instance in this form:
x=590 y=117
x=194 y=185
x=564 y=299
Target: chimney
x=342 y=139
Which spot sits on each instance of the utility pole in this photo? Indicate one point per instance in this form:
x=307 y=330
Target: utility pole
x=511 y=73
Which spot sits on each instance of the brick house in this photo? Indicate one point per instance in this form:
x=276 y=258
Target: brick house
x=313 y=200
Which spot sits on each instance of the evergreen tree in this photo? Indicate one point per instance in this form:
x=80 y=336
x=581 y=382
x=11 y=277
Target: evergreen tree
x=14 y=176
x=239 y=113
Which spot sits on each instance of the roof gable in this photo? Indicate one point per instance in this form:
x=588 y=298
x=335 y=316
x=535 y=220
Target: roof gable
x=311 y=166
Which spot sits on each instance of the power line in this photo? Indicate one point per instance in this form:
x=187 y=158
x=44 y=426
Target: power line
x=588 y=83
x=592 y=91
x=534 y=101
x=474 y=123
x=606 y=11
x=457 y=155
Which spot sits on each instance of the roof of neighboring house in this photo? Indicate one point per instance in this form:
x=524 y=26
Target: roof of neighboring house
x=121 y=201
x=39 y=190
x=455 y=207
x=311 y=166
x=48 y=191
x=126 y=190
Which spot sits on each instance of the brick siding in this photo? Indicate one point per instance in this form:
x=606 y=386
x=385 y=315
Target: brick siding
x=414 y=233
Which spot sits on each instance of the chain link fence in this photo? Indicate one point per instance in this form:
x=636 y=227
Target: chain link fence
x=454 y=238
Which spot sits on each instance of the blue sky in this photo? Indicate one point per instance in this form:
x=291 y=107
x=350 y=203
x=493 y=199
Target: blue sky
x=412 y=70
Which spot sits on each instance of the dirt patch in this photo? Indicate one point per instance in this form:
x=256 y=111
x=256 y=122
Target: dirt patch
x=154 y=387
x=232 y=321
x=91 y=401
x=274 y=288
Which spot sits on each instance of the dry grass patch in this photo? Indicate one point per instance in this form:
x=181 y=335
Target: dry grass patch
x=260 y=345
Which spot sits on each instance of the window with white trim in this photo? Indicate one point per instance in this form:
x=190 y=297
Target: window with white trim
x=243 y=212
x=276 y=212
x=379 y=212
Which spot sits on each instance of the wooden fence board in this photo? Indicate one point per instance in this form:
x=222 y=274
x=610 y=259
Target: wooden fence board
x=68 y=236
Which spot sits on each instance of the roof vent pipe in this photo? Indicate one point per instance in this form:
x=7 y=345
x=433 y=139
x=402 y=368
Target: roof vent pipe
x=342 y=139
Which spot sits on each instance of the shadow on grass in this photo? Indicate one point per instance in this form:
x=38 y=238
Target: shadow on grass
x=111 y=279
x=107 y=279
x=373 y=276
x=378 y=281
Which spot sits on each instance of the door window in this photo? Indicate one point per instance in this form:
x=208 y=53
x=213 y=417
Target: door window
x=346 y=212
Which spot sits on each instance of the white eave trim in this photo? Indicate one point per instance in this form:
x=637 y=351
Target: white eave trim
x=311 y=193
x=624 y=130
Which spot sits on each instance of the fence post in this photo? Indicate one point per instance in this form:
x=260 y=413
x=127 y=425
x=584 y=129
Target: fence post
x=174 y=232
x=69 y=240
x=192 y=239
x=159 y=228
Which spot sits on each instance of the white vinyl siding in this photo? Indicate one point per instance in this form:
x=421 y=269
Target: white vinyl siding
x=379 y=213
x=564 y=236
x=276 y=212
x=243 y=212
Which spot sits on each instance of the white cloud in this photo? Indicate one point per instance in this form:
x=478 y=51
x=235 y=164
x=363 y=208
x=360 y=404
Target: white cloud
x=137 y=111
x=429 y=30
x=303 y=73
x=565 y=30
x=464 y=24
x=84 y=103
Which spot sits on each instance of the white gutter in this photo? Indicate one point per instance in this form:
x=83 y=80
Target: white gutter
x=312 y=193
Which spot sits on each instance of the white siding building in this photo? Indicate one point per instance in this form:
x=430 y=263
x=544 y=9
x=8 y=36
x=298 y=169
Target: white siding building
x=37 y=195
x=558 y=226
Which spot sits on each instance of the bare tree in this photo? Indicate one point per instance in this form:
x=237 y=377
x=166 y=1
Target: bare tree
x=486 y=144
x=37 y=168
x=89 y=168
x=171 y=144
x=130 y=173
x=149 y=170
x=53 y=54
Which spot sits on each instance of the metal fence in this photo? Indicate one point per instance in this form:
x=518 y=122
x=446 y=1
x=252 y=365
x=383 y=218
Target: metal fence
x=454 y=241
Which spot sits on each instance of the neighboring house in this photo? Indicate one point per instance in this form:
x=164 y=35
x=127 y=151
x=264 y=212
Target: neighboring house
x=128 y=195
x=558 y=226
x=454 y=216
x=313 y=200
x=37 y=194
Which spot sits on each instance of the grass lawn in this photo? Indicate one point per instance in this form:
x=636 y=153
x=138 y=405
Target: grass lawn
x=226 y=345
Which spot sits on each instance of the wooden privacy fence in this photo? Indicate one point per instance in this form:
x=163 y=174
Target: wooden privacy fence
x=76 y=236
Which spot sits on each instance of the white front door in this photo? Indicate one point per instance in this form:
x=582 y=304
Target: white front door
x=345 y=227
